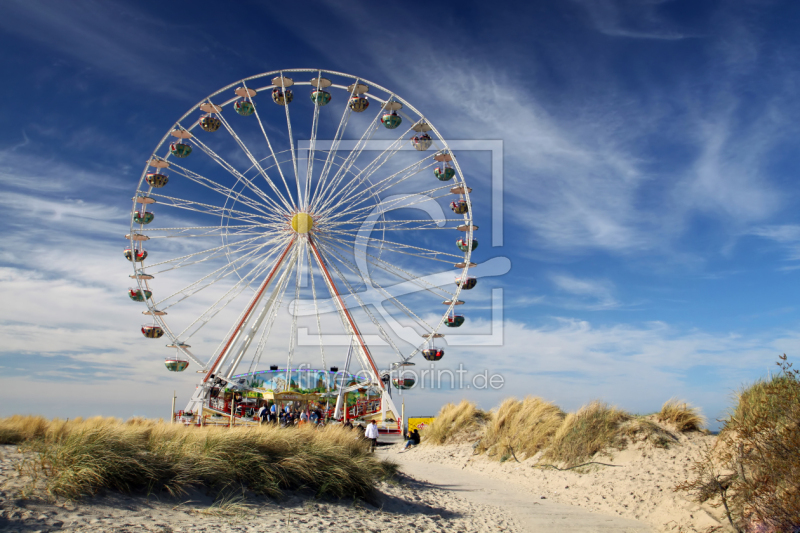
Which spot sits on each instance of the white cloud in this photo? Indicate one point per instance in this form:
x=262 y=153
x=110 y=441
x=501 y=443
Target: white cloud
x=636 y=366
x=596 y=294
x=787 y=236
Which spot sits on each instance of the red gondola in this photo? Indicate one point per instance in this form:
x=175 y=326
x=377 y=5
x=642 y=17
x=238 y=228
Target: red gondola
x=432 y=354
x=152 y=332
x=454 y=321
x=135 y=255
x=464 y=246
x=459 y=207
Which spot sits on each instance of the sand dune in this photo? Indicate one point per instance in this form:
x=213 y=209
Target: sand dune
x=638 y=486
x=405 y=506
x=445 y=488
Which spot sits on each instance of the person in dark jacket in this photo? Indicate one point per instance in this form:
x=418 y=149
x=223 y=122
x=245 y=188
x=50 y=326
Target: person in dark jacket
x=413 y=440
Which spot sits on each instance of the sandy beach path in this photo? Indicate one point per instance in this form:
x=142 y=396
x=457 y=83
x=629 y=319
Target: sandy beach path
x=528 y=510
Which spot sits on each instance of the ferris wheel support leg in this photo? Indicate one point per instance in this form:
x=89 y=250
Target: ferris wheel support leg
x=248 y=313
x=387 y=405
x=350 y=324
x=200 y=396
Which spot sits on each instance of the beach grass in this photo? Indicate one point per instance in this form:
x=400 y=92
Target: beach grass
x=521 y=428
x=82 y=457
x=593 y=428
x=455 y=423
x=753 y=469
x=681 y=415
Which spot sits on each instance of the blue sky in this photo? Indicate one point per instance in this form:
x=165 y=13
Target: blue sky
x=650 y=166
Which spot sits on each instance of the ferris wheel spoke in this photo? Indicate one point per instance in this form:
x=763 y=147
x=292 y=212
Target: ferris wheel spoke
x=238 y=175
x=312 y=148
x=220 y=304
x=298 y=204
x=348 y=227
x=293 y=329
x=316 y=307
x=409 y=249
x=221 y=189
x=363 y=306
x=380 y=187
x=280 y=290
x=405 y=289
x=322 y=258
x=225 y=346
x=394 y=202
x=341 y=193
x=235 y=265
x=334 y=150
x=208 y=231
x=427 y=283
x=266 y=310
x=349 y=161
x=274 y=158
x=213 y=210
x=184 y=260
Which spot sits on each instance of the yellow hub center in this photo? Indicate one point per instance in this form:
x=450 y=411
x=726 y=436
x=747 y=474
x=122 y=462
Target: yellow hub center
x=302 y=222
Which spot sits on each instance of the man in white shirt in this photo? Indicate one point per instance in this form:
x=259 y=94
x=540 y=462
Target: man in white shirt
x=261 y=413
x=372 y=434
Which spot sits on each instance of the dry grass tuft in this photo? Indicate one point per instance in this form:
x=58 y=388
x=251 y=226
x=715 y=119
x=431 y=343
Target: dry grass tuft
x=454 y=423
x=16 y=429
x=593 y=428
x=81 y=457
x=754 y=467
x=644 y=430
x=681 y=415
x=521 y=428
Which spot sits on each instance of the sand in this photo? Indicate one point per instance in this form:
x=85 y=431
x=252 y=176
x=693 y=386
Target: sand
x=406 y=505
x=638 y=488
x=442 y=489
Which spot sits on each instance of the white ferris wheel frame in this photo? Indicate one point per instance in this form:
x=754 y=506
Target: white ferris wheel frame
x=291 y=246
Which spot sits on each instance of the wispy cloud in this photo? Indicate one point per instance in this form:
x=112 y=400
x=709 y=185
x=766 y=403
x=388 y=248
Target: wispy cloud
x=632 y=19
x=591 y=293
x=89 y=31
x=787 y=236
x=636 y=366
x=618 y=171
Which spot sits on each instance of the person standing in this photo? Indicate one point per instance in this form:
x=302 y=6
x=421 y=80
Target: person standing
x=372 y=434
x=262 y=413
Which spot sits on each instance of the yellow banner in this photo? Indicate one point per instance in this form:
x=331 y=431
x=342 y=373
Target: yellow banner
x=419 y=423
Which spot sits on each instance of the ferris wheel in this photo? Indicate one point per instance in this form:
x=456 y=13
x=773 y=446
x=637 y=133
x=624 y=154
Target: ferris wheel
x=264 y=213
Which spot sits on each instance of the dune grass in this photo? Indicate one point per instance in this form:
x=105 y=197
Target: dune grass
x=755 y=464
x=593 y=428
x=681 y=415
x=82 y=457
x=16 y=429
x=521 y=428
x=454 y=423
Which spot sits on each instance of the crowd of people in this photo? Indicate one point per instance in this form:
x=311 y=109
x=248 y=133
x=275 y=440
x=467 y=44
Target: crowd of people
x=295 y=415
x=289 y=416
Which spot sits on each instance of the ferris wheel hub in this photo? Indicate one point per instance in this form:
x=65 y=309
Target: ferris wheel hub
x=302 y=222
